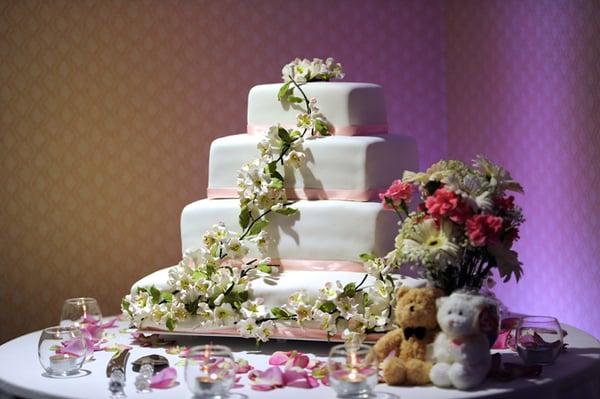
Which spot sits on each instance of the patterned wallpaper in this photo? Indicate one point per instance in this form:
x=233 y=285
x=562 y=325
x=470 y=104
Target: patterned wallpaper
x=107 y=109
x=523 y=86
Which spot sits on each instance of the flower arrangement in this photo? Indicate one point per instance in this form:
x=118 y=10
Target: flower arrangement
x=464 y=227
x=212 y=283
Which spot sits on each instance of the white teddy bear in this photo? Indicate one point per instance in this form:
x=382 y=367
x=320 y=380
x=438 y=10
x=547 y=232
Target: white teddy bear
x=461 y=350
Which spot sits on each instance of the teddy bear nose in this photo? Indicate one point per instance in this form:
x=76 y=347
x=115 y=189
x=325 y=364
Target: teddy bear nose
x=412 y=308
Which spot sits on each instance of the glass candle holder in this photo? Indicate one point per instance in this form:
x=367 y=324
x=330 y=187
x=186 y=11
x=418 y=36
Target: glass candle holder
x=539 y=339
x=61 y=350
x=353 y=370
x=210 y=371
x=80 y=312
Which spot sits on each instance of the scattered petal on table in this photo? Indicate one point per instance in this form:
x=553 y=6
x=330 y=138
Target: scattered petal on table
x=164 y=379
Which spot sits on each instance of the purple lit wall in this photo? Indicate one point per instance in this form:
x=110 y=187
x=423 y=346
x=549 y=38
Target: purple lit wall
x=523 y=86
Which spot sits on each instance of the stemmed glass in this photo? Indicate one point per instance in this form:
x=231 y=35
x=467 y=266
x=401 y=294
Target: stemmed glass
x=80 y=312
x=61 y=350
x=353 y=370
x=539 y=339
x=210 y=371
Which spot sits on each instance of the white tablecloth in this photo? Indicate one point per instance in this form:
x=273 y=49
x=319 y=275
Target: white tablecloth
x=576 y=374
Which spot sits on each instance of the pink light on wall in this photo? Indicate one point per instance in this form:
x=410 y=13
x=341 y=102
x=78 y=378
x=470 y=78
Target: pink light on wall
x=523 y=87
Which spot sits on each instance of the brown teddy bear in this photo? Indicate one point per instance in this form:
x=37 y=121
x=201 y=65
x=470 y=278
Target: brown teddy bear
x=416 y=318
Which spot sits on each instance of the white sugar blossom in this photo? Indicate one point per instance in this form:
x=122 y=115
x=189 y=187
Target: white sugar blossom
x=331 y=291
x=204 y=312
x=304 y=313
x=326 y=321
x=224 y=315
x=236 y=249
x=294 y=159
x=347 y=307
x=381 y=291
x=265 y=331
x=247 y=328
x=254 y=308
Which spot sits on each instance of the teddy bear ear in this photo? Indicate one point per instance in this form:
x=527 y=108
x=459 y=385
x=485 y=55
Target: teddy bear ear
x=401 y=292
x=440 y=301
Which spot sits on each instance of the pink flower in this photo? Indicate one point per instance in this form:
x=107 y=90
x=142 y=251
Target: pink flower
x=483 y=229
x=396 y=193
x=446 y=203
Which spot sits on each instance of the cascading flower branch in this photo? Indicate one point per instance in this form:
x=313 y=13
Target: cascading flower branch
x=212 y=283
x=464 y=227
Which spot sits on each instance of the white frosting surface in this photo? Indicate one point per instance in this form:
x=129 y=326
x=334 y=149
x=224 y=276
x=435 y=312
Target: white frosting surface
x=323 y=230
x=343 y=103
x=358 y=164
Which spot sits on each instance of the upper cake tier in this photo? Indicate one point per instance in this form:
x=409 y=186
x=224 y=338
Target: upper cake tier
x=353 y=109
x=340 y=168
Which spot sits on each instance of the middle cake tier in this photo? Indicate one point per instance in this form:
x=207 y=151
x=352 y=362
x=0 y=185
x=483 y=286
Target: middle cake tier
x=323 y=235
x=337 y=167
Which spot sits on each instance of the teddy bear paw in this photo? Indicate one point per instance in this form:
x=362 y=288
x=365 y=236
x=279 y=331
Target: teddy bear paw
x=439 y=375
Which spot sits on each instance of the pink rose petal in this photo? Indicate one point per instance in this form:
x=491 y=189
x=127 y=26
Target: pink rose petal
x=164 y=379
x=278 y=358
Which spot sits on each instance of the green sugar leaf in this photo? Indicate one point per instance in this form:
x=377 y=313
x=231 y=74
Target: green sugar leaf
x=264 y=268
x=257 y=227
x=350 y=290
x=170 y=324
x=166 y=296
x=294 y=99
x=244 y=217
x=280 y=313
x=155 y=293
x=328 y=307
x=283 y=91
x=284 y=135
x=287 y=211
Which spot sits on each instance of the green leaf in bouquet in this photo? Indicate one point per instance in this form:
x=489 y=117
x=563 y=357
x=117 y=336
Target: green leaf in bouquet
x=350 y=290
x=257 y=227
x=210 y=269
x=244 y=217
x=284 y=91
x=155 y=294
x=170 y=324
x=286 y=210
x=328 y=307
x=280 y=313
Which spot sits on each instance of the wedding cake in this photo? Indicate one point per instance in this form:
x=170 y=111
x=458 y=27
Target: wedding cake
x=306 y=199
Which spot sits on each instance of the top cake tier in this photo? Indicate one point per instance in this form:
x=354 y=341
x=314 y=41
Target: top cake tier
x=353 y=109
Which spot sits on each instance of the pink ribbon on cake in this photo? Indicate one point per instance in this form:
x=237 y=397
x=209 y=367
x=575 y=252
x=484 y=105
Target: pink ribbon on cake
x=349 y=130
x=319 y=265
x=281 y=332
x=306 y=194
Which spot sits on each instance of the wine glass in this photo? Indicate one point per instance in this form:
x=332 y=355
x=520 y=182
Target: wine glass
x=61 y=350
x=80 y=312
x=539 y=339
x=210 y=371
x=353 y=370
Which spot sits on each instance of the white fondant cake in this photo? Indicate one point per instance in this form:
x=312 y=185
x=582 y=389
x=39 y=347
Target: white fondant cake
x=323 y=241
x=352 y=108
x=343 y=168
x=322 y=230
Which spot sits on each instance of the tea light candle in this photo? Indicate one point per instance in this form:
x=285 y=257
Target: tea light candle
x=62 y=363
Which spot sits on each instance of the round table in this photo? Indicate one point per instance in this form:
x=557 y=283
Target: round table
x=575 y=374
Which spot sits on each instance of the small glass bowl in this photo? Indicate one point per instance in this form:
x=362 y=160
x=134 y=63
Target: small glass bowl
x=61 y=350
x=210 y=371
x=353 y=370
x=539 y=339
